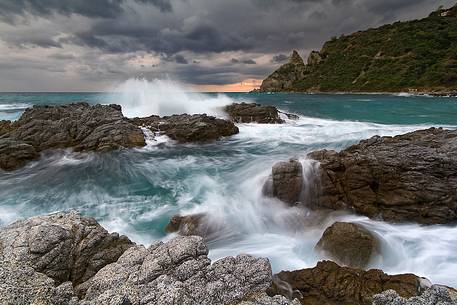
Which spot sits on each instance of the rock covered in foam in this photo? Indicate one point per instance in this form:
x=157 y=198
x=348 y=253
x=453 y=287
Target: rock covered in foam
x=348 y=244
x=186 y=128
x=63 y=246
x=409 y=177
x=435 y=295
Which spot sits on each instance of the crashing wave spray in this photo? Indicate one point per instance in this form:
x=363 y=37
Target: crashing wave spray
x=141 y=97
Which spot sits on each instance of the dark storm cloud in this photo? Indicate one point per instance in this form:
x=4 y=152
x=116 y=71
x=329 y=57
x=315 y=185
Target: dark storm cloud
x=279 y=58
x=9 y=9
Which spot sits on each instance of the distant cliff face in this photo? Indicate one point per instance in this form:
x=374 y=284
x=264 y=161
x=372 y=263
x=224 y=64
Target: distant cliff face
x=405 y=56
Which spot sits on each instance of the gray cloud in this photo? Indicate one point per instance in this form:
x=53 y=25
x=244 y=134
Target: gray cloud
x=198 y=41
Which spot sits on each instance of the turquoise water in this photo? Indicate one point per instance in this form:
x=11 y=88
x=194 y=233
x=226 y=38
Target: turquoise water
x=136 y=191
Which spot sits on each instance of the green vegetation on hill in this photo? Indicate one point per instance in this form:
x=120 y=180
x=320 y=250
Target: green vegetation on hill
x=415 y=55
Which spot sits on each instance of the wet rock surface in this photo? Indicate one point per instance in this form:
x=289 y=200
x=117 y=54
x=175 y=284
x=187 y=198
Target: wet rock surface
x=348 y=244
x=330 y=284
x=186 y=128
x=79 y=126
x=253 y=113
x=435 y=295
x=286 y=181
x=63 y=246
x=409 y=177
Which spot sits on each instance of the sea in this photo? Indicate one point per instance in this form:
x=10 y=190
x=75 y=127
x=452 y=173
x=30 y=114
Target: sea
x=136 y=191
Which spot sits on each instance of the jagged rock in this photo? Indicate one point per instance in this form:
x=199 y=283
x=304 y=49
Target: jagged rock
x=15 y=154
x=314 y=58
x=251 y=112
x=20 y=284
x=264 y=299
x=330 y=284
x=178 y=272
x=286 y=181
x=80 y=126
x=410 y=177
x=63 y=246
x=5 y=127
x=284 y=78
x=348 y=244
x=189 y=128
x=435 y=295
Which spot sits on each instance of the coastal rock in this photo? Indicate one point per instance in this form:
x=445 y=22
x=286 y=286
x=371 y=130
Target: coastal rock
x=284 y=78
x=286 y=181
x=20 y=284
x=178 y=272
x=15 y=154
x=79 y=126
x=63 y=246
x=435 y=295
x=186 y=128
x=330 y=284
x=410 y=177
x=5 y=127
x=251 y=112
x=348 y=244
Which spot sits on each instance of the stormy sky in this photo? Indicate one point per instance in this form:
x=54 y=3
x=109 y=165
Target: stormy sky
x=89 y=45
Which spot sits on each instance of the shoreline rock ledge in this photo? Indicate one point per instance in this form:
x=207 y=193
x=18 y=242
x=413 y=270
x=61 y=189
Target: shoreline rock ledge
x=68 y=259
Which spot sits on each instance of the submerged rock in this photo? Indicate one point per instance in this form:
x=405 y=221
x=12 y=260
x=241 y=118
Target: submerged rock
x=189 y=128
x=79 y=126
x=435 y=295
x=348 y=244
x=63 y=246
x=410 y=177
x=286 y=181
x=330 y=284
x=253 y=113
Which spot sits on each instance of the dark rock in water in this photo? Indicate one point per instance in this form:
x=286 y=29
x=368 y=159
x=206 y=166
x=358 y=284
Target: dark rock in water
x=189 y=128
x=434 y=295
x=186 y=225
x=330 y=284
x=286 y=181
x=284 y=78
x=15 y=154
x=79 y=126
x=63 y=246
x=411 y=177
x=348 y=244
x=253 y=113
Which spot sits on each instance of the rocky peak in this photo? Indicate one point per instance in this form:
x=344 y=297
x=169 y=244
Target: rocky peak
x=296 y=59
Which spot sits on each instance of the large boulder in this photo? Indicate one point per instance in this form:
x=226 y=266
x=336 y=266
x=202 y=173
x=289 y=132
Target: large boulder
x=186 y=128
x=253 y=113
x=63 y=246
x=348 y=244
x=284 y=77
x=286 y=181
x=435 y=295
x=178 y=272
x=410 y=177
x=330 y=284
x=79 y=126
x=15 y=154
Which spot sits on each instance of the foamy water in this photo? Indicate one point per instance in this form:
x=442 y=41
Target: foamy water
x=135 y=192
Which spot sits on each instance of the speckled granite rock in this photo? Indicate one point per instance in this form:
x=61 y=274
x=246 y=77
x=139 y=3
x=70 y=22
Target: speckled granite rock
x=435 y=295
x=63 y=246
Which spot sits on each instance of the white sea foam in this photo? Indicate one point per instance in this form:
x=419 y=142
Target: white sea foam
x=140 y=98
x=13 y=107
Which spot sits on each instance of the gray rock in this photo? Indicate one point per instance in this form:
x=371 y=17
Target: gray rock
x=63 y=246
x=286 y=181
x=435 y=295
x=253 y=113
x=187 y=128
x=348 y=244
x=178 y=272
x=80 y=126
x=410 y=177
x=20 y=284
x=264 y=299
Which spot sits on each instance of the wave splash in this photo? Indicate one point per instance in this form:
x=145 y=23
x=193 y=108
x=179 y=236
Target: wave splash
x=141 y=97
